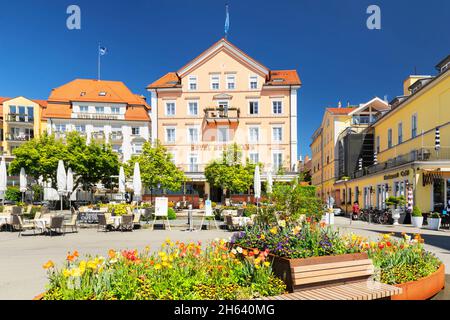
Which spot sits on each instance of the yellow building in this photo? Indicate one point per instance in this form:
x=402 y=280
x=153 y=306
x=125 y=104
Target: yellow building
x=325 y=141
x=21 y=121
x=405 y=155
x=222 y=97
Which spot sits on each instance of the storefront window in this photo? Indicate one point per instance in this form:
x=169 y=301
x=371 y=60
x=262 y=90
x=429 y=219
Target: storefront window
x=438 y=195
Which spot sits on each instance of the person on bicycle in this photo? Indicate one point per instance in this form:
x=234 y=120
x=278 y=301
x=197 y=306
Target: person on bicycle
x=355 y=210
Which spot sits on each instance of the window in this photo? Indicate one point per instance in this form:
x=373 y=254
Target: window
x=80 y=128
x=400 y=133
x=60 y=127
x=254 y=135
x=277 y=107
x=253 y=82
x=222 y=134
x=254 y=107
x=231 y=82
x=12 y=109
x=193 y=135
x=378 y=144
x=135 y=131
x=193 y=163
x=277 y=160
x=414 y=125
x=215 y=82
x=30 y=114
x=389 y=138
x=170 y=135
x=117 y=148
x=137 y=148
x=277 y=134
x=192 y=83
x=99 y=109
x=170 y=108
x=193 y=108
x=115 y=110
x=84 y=109
x=254 y=157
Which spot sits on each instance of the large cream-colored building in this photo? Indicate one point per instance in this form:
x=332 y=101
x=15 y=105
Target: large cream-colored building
x=221 y=97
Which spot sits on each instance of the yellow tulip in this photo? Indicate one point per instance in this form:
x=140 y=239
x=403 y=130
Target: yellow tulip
x=157 y=266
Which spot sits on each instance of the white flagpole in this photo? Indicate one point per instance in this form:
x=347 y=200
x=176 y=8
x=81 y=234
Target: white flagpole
x=98 y=61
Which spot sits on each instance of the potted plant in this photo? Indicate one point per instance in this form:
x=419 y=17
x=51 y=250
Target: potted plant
x=434 y=221
x=394 y=203
x=416 y=217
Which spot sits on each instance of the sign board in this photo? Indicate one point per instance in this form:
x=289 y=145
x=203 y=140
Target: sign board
x=208 y=208
x=161 y=207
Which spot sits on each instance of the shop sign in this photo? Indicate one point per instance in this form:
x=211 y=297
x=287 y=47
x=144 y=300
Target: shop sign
x=404 y=173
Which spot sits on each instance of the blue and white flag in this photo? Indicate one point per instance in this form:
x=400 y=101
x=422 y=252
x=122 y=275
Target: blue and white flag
x=227 y=22
x=102 y=51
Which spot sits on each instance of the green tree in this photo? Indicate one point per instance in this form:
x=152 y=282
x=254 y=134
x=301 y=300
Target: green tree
x=156 y=168
x=39 y=157
x=228 y=173
x=91 y=163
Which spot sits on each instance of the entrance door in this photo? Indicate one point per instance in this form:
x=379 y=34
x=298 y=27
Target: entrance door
x=216 y=194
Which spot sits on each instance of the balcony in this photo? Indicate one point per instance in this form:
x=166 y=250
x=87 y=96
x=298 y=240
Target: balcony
x=422 y=154
x=116 y=137
x=222 y=115
x=100 y=135
x=19 y=118
x=19 y=137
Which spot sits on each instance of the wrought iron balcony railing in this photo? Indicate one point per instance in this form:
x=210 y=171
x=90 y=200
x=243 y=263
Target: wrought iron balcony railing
x=20 y=118
x=220 y=115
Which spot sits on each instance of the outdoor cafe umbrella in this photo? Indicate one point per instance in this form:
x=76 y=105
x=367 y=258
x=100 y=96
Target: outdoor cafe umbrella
x=23 y=181
x=70 y=184
x=269 y=181
x=61 y=181
x=137 y=183
x=3 y=178
x=257 y=185
x=122 y=189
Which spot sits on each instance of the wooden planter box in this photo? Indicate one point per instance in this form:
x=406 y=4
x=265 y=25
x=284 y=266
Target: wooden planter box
x=282 y=267
x=424 y=288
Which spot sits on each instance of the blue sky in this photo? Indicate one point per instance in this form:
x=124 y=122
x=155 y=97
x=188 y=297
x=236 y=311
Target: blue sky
x=328 y=42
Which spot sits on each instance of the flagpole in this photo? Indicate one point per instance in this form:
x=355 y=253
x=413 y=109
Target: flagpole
x=98 y=61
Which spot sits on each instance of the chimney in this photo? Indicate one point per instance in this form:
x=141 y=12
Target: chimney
x=339 y=104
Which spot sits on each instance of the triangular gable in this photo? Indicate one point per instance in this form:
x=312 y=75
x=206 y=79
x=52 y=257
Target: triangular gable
x=224 y=45
x=376 y=103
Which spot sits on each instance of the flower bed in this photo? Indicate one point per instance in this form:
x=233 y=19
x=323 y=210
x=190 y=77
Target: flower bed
x=178 y=271
x=396 y=261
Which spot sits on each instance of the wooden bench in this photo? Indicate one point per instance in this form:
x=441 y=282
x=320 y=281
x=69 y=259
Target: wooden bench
x=345 y=280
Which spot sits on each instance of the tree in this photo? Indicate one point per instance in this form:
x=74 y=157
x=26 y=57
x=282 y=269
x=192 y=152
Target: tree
x=157 y=168
x=91 y=163
x=228 y=173
x=39 y=157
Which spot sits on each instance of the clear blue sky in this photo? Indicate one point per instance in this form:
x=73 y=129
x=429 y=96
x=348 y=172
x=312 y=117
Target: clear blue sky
x=337 y=57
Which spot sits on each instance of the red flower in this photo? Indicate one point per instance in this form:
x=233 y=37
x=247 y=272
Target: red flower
x=388 y=243
x=381 y=246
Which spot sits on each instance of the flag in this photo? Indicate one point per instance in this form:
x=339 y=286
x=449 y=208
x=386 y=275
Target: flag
x=227 y=22
x=102 y=51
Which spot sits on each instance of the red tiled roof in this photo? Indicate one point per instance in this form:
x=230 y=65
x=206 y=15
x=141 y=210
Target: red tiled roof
x=169 y=80
x=340 y=110
x=284 y=77
x=88 y=90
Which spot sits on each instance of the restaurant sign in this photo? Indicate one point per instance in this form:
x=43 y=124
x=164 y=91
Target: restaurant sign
x=404 y=173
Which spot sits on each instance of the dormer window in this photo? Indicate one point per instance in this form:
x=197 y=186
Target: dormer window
x=278 y=80
x=82 y=94
x=102 y=93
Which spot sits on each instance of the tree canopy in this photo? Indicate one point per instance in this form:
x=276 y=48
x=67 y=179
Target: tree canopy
x=156 y=168
x=229 y=173
x=91 y=163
